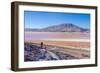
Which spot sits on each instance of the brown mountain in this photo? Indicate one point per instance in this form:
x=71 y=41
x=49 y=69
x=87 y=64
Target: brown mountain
x=66 y=27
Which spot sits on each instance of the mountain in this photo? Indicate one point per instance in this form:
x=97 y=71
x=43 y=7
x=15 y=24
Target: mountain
x=66 y=27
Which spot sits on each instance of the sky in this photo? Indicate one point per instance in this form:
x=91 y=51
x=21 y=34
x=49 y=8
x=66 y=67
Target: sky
x=33 y=19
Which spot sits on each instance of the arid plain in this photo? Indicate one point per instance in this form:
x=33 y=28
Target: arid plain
x=76 y=44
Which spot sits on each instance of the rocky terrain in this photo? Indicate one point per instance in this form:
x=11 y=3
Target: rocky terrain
x=34 y=52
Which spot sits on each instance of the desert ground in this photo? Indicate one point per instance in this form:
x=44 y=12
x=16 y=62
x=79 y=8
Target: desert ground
x=56 y=45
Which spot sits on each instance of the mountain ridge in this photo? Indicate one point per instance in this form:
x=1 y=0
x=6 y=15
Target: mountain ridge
x=65 y=27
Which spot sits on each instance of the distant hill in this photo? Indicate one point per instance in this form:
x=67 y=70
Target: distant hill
x=66 y=27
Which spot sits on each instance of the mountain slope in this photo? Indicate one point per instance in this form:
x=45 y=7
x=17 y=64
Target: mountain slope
x=66 y=27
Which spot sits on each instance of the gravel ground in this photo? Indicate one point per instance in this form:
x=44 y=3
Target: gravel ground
x=33 y=52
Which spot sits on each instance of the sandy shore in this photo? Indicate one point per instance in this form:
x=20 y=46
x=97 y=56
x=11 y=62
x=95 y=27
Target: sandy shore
x=66 y=44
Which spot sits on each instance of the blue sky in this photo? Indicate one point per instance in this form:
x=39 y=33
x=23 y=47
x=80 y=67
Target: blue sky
x=44 y=19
